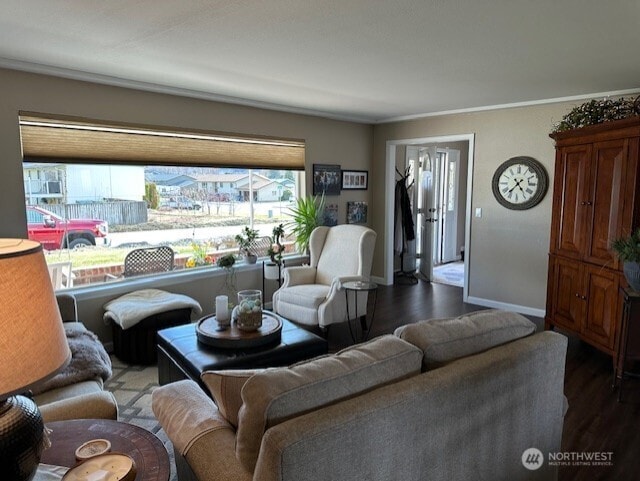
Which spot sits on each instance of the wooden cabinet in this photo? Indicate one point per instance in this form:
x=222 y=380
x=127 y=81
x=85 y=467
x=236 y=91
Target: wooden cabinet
x=586 y=300
x=595 y=201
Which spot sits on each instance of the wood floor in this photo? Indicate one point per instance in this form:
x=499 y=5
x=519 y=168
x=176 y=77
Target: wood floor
x=595 y=421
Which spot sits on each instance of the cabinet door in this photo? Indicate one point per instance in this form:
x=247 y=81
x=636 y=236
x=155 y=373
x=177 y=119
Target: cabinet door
x=572 y=177
x=568 y=305
x=606 y=200
x=603 y=300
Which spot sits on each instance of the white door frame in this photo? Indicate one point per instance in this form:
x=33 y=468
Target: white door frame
x=390 y=177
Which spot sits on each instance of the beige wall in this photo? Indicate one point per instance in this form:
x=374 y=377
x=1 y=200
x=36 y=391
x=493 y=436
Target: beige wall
x=327 y=141
x=508 y=251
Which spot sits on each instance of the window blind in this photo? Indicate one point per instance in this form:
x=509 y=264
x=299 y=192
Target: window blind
x=55 y=139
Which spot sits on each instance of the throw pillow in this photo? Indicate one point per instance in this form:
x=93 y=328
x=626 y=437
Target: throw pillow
x=445 y=340
x=225 y=388
x=276 y=395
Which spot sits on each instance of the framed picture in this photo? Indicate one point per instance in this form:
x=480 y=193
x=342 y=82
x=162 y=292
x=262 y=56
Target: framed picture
x=330 y=215
x=356 y=212
x=326 y=179
x=355 y=179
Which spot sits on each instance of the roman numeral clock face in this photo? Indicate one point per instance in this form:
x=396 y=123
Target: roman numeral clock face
x=520 y=183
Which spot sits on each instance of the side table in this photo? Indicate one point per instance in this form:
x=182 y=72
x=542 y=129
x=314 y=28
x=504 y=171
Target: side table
x=357 y=287
x=148 y=452
x=628 y=337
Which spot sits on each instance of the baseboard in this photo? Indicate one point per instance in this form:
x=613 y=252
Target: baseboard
x=528 y=311
x=379 y=280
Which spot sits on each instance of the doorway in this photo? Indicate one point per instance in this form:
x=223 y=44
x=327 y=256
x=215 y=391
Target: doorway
x=442 y=205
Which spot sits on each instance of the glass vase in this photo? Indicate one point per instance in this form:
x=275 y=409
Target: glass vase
x=249 y=310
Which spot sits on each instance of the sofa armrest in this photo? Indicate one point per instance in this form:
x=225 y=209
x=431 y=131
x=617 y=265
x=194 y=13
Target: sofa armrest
x=294 y=276
x=198 y=431
x=336 y=286
x=186 y=413
x=94 y=405
x=68 y=307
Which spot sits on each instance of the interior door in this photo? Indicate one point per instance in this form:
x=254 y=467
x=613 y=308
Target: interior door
x=449 y=205
x=428 y=208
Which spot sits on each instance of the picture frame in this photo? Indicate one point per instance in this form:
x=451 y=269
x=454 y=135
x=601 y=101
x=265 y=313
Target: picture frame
x=356 y=212
x=326 y=179
x=355 y=179
x=330 y=215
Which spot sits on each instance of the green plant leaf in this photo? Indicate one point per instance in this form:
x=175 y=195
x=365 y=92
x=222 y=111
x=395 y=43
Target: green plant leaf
x=628 y=248
x=306 y=215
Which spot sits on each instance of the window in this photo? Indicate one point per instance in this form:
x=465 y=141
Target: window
x=94 y=191
x=145 y=206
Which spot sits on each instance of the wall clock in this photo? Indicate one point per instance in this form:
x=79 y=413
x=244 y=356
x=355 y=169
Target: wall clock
x=520 y=183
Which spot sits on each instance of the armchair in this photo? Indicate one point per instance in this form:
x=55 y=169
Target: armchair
x=313 y=294
x=81 y=399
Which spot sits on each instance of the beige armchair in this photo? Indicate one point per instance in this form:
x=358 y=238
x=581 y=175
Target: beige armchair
x=313 y=295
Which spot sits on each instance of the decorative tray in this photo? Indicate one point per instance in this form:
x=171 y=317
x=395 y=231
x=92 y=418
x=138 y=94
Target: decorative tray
x=103 y=467
x=211 y=334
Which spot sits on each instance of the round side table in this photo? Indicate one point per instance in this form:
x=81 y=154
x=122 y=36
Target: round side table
x=357 y=287
x=148 y=452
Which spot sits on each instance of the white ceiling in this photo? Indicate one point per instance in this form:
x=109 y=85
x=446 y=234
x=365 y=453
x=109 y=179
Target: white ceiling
x=367 y=60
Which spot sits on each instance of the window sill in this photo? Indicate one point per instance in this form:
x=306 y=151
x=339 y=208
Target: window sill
x=158 y=281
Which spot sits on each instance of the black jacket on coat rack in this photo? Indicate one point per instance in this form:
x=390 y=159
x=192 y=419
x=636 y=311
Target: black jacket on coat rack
x=404 y=230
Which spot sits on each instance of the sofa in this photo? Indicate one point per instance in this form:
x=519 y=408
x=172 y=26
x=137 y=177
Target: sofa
x=443 y=399
x=85 y=399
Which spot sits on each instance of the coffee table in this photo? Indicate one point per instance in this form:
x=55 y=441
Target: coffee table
x=148 y=452
x=182 y=356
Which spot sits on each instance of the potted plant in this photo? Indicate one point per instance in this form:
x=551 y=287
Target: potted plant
x=245 y=242
x=272 y=269
x=306 y=216
x=628 y=250
x=227 y=262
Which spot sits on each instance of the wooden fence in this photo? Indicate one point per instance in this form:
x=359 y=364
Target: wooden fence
x=115 y=213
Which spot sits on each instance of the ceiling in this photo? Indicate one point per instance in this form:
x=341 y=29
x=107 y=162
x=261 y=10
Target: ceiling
x=363 y=60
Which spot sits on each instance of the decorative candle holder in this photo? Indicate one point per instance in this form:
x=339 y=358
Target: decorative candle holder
x=249 y=310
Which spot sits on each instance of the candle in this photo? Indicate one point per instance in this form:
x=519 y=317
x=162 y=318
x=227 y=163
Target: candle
x=222 y=309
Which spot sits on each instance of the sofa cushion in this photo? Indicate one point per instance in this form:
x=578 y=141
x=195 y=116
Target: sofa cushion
x=445 y=340
x=225 y=388
x=72 y=390
x=276 y=395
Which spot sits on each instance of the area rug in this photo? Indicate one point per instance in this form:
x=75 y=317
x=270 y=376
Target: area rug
x=451 y=273
x=132 y=387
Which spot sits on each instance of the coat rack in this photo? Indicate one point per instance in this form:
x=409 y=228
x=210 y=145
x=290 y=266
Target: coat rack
x=403 y=205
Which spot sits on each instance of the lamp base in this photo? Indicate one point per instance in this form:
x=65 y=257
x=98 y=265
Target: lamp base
x=21 y=438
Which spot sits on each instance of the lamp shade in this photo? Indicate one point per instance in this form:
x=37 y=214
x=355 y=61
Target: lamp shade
x=33 y=345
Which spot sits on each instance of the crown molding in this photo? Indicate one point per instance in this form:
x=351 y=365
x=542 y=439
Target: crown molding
x=83 y=76
x=102 y=79
x=613 y=93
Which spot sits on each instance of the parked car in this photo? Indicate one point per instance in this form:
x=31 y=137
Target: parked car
x=180 y=202
x=54 y=232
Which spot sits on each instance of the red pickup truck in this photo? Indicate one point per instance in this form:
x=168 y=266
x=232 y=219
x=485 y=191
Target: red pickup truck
x=54 y=232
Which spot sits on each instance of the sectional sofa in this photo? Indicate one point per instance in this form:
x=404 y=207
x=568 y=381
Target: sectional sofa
x=444 y=399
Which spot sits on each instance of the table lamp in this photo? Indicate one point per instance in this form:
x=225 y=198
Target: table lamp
x=33 y=347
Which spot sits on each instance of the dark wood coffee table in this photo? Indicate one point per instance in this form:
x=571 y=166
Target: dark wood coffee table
x=182 y=356
x=148 y=452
